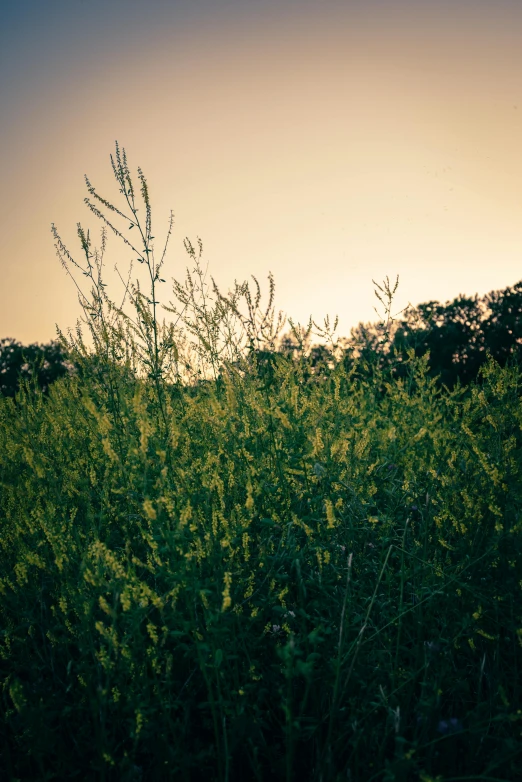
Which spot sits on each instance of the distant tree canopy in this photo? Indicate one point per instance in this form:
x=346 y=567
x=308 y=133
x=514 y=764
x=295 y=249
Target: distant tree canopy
x=457 y=335
x=42 y=364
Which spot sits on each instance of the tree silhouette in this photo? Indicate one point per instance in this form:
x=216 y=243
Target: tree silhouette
x=451 y=333
x=503 y=327
x=42 y=364
x=458 y=336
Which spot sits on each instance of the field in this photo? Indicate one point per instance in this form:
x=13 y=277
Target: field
x=257 y=570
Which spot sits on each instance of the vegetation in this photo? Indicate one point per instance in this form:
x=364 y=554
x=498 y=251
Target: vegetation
x=226 y=557
x=39 y=364
x=457 y=338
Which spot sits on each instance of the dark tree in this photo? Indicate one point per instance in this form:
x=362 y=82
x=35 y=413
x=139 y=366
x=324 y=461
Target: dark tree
x=458 y=336
x=503 y=327
x=452 y=334
x=42 y=364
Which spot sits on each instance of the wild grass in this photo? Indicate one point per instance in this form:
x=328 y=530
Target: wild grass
x=218 y=564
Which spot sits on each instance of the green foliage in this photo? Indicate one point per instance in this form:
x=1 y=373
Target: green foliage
x=234 y=566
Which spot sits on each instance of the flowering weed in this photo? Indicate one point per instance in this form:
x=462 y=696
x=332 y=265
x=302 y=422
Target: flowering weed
x=219 y=566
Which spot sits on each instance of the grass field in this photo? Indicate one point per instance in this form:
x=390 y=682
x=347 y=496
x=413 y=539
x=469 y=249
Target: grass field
x=255 y=570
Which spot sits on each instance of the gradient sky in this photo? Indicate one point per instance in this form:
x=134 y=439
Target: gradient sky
x=328 y=142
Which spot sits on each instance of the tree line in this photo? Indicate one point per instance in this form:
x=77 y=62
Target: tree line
x=458 y=336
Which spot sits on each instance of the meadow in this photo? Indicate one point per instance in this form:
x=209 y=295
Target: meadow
x=219 y=562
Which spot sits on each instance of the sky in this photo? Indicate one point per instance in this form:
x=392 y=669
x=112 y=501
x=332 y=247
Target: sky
x=331 y=143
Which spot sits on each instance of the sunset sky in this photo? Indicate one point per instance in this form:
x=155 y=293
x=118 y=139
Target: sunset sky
x=328 y=142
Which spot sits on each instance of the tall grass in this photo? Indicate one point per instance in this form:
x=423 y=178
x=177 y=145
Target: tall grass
x=217 y=564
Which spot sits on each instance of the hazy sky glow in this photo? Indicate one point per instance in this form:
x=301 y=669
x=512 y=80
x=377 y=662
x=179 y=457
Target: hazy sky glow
x=330 y=143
